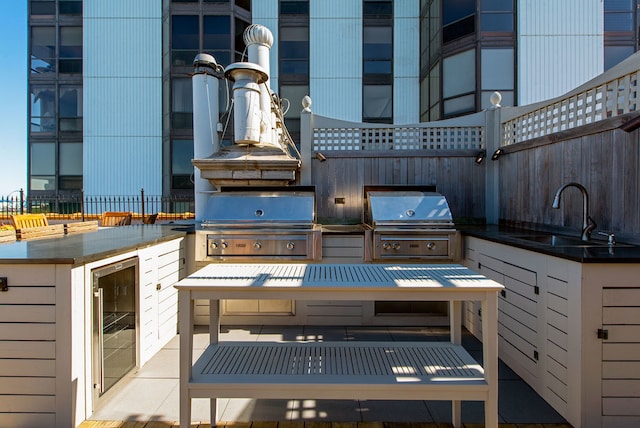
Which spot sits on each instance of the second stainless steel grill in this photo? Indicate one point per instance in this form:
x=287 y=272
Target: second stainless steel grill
x=409 y=223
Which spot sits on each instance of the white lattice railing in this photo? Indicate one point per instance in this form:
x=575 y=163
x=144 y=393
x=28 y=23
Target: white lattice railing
x=609 y=99
x=398 y=138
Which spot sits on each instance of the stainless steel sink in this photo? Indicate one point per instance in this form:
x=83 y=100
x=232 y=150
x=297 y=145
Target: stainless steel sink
x=564 y=241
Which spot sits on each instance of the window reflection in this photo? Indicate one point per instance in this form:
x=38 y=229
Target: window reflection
x=70 y=50
x=184 y=39
x=294 y=50
x=377 y=103
x=43 y=109
x=181 y=103
x=181 y=167
x=70 y=108
x=43 y=50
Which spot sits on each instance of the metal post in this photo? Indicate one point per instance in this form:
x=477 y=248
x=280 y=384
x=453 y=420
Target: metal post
x=306 y=139
x=82 y=203
x=492 y=174
x=142 y=199
x=21 y=201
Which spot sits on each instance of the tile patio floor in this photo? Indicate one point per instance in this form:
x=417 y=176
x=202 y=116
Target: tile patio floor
x=150 y=396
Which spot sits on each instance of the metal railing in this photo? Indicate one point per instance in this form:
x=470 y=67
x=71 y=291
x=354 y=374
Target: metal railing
x=86 y=207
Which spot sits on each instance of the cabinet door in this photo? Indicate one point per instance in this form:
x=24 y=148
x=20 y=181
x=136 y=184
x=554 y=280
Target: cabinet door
x=621 y=357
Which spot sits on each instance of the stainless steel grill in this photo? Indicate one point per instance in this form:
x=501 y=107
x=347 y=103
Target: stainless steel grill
x=409 y=223
x=248 y=224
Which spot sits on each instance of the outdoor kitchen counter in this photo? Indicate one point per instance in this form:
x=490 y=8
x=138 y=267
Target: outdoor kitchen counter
x=82 y=248
x=599 y=252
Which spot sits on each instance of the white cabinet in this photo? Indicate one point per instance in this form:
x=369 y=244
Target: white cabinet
x=46 y=331
x=571 y=330
x=161 y=266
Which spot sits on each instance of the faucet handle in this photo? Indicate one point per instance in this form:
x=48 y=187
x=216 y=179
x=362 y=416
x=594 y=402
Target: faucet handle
x=611 y=238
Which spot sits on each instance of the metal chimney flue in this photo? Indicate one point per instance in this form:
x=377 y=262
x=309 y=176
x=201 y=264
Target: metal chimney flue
x=205 y=82
x=249 y=119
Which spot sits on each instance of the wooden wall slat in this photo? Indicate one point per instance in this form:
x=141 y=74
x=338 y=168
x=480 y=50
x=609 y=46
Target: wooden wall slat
x=24 y=349
x=27 y=385
x=27 y=313
x=607 y=163
x=458 y=178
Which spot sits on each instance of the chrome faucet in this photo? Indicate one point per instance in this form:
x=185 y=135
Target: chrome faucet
x=588 y=225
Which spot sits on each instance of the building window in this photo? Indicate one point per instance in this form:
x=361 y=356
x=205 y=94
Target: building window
x=377 y=61
x=239 y=39
x=184 y=39
x=181 y=103
x=70 y=169
x=70 y=7
x=377 y=103
x=244 y=4
x=613 y=55
x=459 y=83
x=181 y=167
x=497 y=15
x=70 y=50
x=70 y=108
x=43 y=50
x=43 y=109
x=497 y=74
x=47 y=8
x=294 y=50
x=458 y=19
x=619 y=15
x=294 y=94
x=377 y=9
x=42 y=166
x=620 y=35
x=216 y=37
x=294 y=7
x=377 y=50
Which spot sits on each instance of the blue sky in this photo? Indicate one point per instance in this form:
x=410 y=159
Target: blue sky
x=13 y=101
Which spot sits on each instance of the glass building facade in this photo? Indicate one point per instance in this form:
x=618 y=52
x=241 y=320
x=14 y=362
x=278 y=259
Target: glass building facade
x=467 y=50
x=55 y=96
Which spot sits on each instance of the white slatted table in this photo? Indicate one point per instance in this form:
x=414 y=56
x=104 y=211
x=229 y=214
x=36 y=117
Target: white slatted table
x=339 y=370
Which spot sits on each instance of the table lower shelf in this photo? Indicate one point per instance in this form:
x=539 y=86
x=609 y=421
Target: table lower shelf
x=338 y=370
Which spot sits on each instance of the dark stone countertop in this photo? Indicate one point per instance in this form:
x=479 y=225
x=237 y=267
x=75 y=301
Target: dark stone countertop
x=82 y=248
x=597 y=251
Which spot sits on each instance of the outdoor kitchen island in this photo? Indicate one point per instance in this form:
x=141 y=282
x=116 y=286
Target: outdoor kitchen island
x=80 y=311
x=363 y=370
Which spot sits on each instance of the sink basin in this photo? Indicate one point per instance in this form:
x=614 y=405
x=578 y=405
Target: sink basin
x=564 y=241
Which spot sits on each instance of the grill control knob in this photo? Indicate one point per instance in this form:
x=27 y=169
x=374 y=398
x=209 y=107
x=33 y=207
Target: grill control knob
x=224 y=245
x=431 y=246
x=386 y=246
x=257 y=245
x=396 y=246
x=290 y=245
x=213 y=245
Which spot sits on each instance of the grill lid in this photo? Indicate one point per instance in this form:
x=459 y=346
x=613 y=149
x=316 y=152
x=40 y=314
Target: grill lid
x=260 y=208
x=408 y=208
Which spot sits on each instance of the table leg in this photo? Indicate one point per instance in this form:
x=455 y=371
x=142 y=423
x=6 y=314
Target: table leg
x=490 y=356
x=214 y=337
x=455 y=331
x=185 y=324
